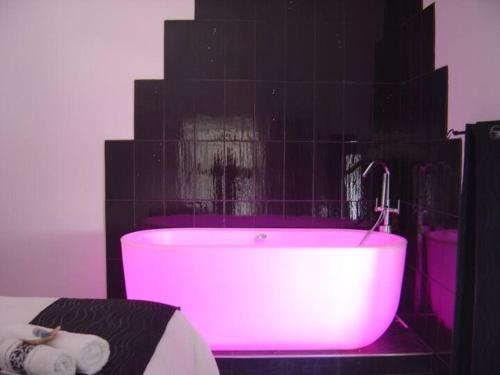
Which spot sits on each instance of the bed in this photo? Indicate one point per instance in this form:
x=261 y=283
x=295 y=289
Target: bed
x=179 y=351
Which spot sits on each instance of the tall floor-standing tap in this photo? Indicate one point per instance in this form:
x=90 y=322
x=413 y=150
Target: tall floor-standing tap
x=385 y=203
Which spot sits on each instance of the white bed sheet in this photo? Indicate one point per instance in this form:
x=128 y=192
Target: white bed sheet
x=180 y=351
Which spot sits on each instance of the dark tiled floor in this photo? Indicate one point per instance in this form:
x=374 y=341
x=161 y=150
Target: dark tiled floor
x=398 y=351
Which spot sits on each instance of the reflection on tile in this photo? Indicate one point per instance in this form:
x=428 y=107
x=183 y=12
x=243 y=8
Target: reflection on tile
x=298 y=171
x=270 y=51
x=327 y=171
x=328 y=112
x=360 y=212
x=179 y=170
x=209 y=110
x=239 y=214
x=146 y=210
x=238 y=123
x=330 y=52
x=209 y=170
x=209 y=214
x=266 y=211
x=240 y=49
x=239 y=171
x=299 y=111
x=179 y=110
x=269 y=117
x=148 y=109
x=269 y=170
x=327 y=209
x=357 y=156
x=148 y=170
x=119 y=156
x=299 y=51
x=119 y=221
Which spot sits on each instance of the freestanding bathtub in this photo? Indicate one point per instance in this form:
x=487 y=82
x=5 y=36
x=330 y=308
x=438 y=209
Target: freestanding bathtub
x=271 y=289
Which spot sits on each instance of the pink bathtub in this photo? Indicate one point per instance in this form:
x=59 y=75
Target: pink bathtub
x=271 y=289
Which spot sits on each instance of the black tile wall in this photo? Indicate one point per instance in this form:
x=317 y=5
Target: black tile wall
x=266 y=116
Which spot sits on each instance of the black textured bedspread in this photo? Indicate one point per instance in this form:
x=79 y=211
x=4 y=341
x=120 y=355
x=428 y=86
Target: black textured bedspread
x=132 y=328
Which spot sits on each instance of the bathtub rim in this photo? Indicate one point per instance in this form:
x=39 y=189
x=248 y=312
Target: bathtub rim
x=131 y=238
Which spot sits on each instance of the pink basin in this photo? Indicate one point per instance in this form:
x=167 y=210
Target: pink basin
x=271 y=289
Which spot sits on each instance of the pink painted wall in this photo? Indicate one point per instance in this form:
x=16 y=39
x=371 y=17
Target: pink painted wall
x=67 y=75
x=467 y=40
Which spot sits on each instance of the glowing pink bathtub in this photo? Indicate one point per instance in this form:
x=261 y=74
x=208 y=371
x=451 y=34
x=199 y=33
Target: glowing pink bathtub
x=271 y=289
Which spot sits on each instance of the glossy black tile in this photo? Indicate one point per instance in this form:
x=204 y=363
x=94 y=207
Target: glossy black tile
x=361 y=42
x=210 y=56
x=440 y=367
x=269 y=170
x=428 y=38
x=240 y=10
x=302 y=211
x=300 y=10
x=387 y=111
x=149 y=177
x=209 y=214
x=209 y=110
x=178 y=214
x=409 y=364
x=434 y=99
x=148 y=109
x=388 y=55
x=285 y=366
x=179 y=110
x=364 y=12
x=410 y=8
x=269 y=117
x=299 y=51
x=269 y=51
x=330 y=52
x=328 y=112
x=240 y=49
x=181 y=49
x=209 y=178
x=270 y=10
x=239 y=118
x=146 y=213
x=411 y=114
x=327 y=171
x=330 y=11
x=298 y=171
x=119 y=221
x=115 y=279
x=180 y=166
x=268 y=213
x=119 y=169
x=358 y=112
x=239 y=171
x=209 y=9
x=411 y=48
x=299 y=111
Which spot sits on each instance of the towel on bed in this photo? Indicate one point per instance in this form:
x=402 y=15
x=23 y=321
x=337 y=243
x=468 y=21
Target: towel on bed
x=19 y=358
x=90 y=352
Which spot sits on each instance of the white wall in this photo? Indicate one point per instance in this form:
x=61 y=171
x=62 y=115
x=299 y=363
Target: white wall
x=468 y=41
x=67 y=71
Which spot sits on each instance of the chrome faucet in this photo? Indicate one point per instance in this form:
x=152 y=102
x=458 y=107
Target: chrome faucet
x=385 y=203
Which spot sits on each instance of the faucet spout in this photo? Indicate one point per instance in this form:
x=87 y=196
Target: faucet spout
x=385 y=205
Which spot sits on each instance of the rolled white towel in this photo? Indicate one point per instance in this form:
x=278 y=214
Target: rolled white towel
x=90 y=352
x=15 y=356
